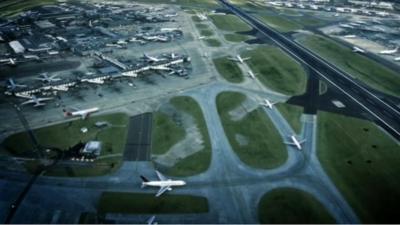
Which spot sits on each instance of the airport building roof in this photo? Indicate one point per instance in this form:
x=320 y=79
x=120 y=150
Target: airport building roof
x=17 y=47
x=44 y=24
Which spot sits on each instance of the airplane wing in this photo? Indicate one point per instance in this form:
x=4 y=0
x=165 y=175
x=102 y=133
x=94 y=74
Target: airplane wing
x=289 y=143
x=233 y=59
x=247 y=58
x=162 y=190
x=160 y=176
x=44 y=99
x=151 y=220
x=28 y=102
x=84 y=115
x=302 y=141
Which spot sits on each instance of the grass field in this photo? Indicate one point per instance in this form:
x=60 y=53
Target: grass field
x=206 y=32
x=228 y=69
x=264 y=148
x=65 y=135
x=280 y=23
x=229 y=23
x=162 y=141
x=276 y=70
x=200 y=161
x=201 y=26
x=9 y=8
x=292 y=206
x=363 y=162
x=292 y=114
x=141 y=203
x=236 y=37
x=366 y=70
x=212 y=42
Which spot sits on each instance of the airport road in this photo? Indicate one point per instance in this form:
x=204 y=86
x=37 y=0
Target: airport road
x=385 y=114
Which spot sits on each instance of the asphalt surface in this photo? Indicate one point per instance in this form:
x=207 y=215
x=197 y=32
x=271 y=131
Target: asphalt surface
x=385 y=114
x=138 y=143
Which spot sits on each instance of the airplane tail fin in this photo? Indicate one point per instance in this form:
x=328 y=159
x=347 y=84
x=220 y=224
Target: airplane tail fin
x=144 y=179
x=66 y=113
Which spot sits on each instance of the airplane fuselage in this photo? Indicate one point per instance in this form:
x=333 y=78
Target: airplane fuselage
x=85 y=111
x=252 y=74
x=296 y=142
x=165 y=183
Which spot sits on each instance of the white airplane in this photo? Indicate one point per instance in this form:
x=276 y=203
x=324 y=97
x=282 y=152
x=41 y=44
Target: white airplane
x=201 y=16
x=397 y=59
x=170 y=29
x=201 y=37
x=45 y=78
x=389 y=52
x=350 y=36
x=82 y=113
x=267 y=103
x=170 y=55
x=171 y=15
x=164 y=183
x=357 y=49
x=295 y=142
x=151 y=58
x=12 y=85
x=239 y=59
x=36 y=101
x=252 y=75
x=152 y=221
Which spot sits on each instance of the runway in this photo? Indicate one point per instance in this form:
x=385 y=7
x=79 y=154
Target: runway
x=383 y=113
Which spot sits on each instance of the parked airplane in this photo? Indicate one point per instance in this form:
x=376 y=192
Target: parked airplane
x=164 y=183
x=239 y=59
x=170 y=29
x=357 y=49
x=170 y=55
x=295 y=142
x=267 y=103
x=179 y=72
x=201 y=37
x=36 y=101
x=173 y=55
x=12 y=85
x=151 y=221
x=9 y=61
x=397 y=59
x=82 y=113
x=389 y=52
x=46 y=78
x=151 y=58
x=171 y=15
x=252 y=75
